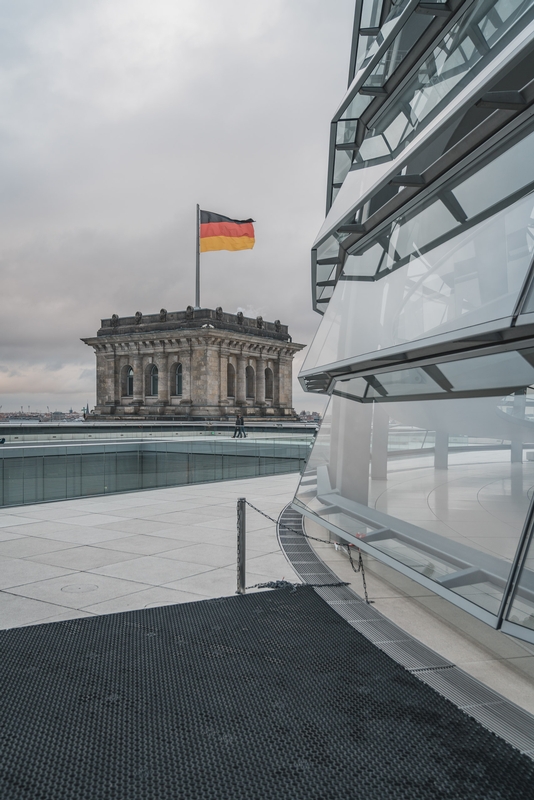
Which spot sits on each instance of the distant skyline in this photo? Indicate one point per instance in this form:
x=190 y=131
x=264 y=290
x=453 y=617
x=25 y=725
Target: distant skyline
x=117 y=119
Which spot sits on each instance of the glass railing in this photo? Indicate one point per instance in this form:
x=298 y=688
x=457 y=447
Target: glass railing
x=44 y=472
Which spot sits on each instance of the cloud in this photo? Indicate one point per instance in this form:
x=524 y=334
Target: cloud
x=118 y=118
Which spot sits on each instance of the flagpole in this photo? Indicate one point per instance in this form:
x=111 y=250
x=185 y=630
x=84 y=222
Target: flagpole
x=197 y=287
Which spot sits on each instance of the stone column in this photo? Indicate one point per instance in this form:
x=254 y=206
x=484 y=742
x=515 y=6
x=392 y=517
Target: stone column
x=241 y=384
x=110 y=380
x=138 y=379
x=223 y=377
x=260 y=381
x=276 y=381
x=101 y=378
x=197 y=373
x=185 y=360
x=162 y=363
x=212 y=382
x=124 y=361
x=284 y=380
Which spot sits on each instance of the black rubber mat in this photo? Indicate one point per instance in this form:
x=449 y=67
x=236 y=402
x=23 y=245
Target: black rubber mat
x=271 y=695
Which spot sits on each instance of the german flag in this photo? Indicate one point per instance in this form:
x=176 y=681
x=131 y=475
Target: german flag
x=222 y=233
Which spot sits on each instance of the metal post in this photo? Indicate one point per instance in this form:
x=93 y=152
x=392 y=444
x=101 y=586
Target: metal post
x=241 y=546
x=197 y=285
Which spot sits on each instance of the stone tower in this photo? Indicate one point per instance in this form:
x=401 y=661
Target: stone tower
x=199 y=363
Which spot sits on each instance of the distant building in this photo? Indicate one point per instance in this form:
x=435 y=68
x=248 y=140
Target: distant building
x=309 y=416
x=200 y=363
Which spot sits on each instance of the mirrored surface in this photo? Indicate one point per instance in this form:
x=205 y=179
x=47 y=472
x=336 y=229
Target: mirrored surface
x=498 y=371
x=473 y=277
x=467 y=47
x=440 y=486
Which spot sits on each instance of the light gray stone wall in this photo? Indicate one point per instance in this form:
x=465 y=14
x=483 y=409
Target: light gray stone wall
x=204 y=355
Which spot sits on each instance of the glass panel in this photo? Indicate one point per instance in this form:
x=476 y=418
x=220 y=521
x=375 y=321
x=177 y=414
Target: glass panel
x=324 y=271
x=367 y=263
x=460 y=201
x=58 y=473
x=499 y=371
x=365 y=44
x=409 y=381
x=489 y=372
x=357 y=106
x=328 y=249
x=472 y=278
x=465 y=50
x=405 y=40
x=507 y=173
x=522 y=608
x=371 y=11
x=384 y=33
x=374 y=147
x=441 y=486
x=356 y=387
x=346 y=131
x=342 y=164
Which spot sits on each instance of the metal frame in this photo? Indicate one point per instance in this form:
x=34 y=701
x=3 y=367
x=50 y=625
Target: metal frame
x=491 y=127
x=509 y=116
x=398 y=566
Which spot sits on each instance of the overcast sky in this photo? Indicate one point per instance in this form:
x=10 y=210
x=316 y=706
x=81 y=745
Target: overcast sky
x=118 y=116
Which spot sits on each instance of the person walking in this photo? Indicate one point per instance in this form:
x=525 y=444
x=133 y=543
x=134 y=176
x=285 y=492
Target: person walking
x=242 y=427
x=236 y=429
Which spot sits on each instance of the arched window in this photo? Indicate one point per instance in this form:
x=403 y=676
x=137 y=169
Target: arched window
x=230 y=381
x=268 y=384
x=127 y=381
x=178 y=380
x=154 y=381
x=249 y=374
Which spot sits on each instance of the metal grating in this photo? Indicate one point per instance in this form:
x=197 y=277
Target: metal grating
x=356 y=612
x=508 y=721
x=489 y=708
x=413 y=655
x=459 y=687
x=380 y=630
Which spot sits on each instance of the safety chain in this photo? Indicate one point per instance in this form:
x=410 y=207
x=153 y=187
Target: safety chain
x=294 y=586
x=360 y=569
x=314 y=539
x=282 y=525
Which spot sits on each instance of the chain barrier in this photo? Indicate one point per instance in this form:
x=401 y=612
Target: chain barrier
x=294 y=586
x=271 y=584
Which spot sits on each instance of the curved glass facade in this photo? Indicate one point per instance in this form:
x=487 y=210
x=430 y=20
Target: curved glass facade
x=425 y=458
x=437 y=83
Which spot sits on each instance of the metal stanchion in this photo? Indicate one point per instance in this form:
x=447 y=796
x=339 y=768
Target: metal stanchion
x=241 y=545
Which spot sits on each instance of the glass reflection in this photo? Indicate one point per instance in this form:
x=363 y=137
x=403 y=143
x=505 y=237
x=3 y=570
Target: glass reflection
x=466 y=48
x=498 y=371
x=459 y=204
x=472 y=278
x=521 y=611
x=440 y=486
x=402 y=44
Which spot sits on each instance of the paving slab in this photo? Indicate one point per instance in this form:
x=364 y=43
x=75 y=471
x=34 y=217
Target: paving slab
x=78 y=589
